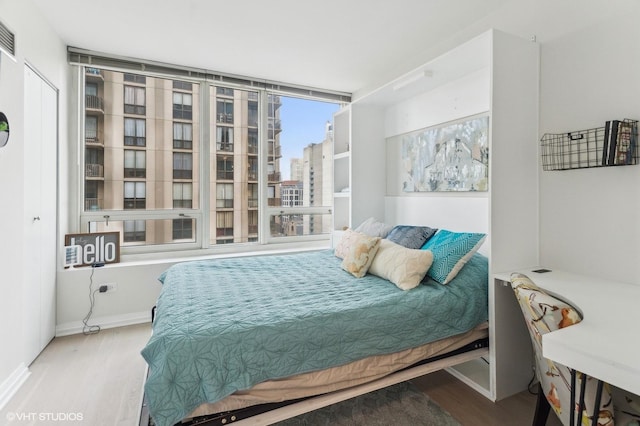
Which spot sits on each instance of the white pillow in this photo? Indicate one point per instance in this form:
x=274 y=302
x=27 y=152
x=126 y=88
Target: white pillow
x=360 y=253
x=349 y=237
x=374 y=228
x=402 y=266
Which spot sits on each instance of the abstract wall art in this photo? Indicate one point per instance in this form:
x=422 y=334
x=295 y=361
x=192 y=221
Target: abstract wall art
x=450 y=157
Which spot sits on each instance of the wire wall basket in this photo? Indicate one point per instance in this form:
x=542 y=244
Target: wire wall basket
x=614 y=144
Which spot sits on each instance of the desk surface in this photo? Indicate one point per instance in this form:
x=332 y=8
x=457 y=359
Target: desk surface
x=606 y=343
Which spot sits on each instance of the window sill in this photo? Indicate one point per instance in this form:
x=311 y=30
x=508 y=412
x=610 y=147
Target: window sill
x=240 y=250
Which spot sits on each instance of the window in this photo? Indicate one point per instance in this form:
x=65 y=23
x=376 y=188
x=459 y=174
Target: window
x=224 y=196
x=144 y=168
x=253 y=222
x=135 y=164
x=182 y=195
x=182 y=165
x=253 y=141
x=134 y=100
x=182 y=85
x=224 y=224
x=224 y=111
x=182 y=106
x=253 y=114
x=91 y=129
x=134 y=231
x=224 y=138
x=183 y=135
x=182 y=229
x=224 y=91
x=135 y=78
x=135 y=195
x=224 y=169
x=252 y=189
x=92 y=200
x=135 y=130
x=91 y=89
x=253 y=169
x=94 y=163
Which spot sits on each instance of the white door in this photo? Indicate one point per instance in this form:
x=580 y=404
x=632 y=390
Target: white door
x=40 y=186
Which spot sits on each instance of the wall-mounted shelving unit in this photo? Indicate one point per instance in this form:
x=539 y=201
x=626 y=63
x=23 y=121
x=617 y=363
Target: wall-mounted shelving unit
x=480 y=76
x=614 y=144
x=341 y=171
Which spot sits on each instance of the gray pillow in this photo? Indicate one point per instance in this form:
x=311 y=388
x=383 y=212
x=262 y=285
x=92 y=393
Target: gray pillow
x=412 y=237
x=374 y=228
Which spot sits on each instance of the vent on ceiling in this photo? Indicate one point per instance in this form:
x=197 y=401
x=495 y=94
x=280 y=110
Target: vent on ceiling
x=7 y=40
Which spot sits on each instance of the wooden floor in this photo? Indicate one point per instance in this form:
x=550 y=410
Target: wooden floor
x=97 y=380
x=470 y=408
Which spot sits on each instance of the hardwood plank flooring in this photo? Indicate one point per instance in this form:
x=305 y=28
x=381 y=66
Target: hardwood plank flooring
x=84 y=380
x=100 y=377
x=470 y=408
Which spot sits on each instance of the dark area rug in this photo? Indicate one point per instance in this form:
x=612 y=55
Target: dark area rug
x=399 y=405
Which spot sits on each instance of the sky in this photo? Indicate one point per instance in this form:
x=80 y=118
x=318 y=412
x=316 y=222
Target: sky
x=303 y=122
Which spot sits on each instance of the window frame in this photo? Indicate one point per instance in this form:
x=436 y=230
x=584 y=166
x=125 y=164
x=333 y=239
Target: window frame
x=202 y=215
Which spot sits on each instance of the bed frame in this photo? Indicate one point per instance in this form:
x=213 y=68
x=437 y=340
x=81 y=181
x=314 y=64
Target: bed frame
x=270 y=413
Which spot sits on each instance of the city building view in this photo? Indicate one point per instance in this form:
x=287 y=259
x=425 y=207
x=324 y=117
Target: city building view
x=143 y=153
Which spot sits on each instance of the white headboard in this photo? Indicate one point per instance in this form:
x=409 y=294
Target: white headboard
x=455 y=212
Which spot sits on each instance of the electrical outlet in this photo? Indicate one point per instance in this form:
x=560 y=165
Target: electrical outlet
x=111 y=287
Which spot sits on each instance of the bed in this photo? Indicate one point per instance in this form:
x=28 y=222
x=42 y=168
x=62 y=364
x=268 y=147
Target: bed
x=240 y=332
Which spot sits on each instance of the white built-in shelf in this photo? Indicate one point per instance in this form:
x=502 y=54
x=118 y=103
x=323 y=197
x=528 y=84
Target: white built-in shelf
x=341 y=155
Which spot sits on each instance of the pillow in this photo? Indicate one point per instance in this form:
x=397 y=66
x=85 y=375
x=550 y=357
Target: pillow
x=412 y=237
x=374 y=228
x=349 y=236
x=451 y=250
x=402 y=266
x=360 y=253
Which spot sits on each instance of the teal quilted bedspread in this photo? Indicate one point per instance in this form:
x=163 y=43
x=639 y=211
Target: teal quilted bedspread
x=227 y=324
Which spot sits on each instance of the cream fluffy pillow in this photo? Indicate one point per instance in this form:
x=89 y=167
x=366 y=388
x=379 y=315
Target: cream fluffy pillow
x=402 y=266
x=359 y=253
x=349 y=237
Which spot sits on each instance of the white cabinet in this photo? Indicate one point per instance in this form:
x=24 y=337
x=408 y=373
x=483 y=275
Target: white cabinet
x=40 y=147
x=494 y=74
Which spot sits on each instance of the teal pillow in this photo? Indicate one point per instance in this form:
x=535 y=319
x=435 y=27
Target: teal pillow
x=451 y=250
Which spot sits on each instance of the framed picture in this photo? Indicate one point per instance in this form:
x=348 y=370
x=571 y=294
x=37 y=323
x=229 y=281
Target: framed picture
x=448 y=157
x=94 y=248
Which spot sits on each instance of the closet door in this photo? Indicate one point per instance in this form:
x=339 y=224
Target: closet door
x=40 y=186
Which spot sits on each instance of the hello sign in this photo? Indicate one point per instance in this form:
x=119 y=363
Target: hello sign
x=97 y=247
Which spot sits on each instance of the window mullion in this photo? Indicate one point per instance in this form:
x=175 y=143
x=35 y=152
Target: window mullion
x=204 y=226
x=263 y=151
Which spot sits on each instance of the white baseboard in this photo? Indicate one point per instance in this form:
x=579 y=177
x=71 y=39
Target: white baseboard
x=111 y=321
x=10 y=386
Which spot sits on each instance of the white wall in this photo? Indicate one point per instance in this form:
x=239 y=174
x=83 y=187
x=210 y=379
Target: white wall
x=588 y=217
x=40 y=47
x=136 y=293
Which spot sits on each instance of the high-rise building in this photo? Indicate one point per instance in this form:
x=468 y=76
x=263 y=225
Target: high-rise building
x=291 y=193
x=296 y=169
x=142 y=152
x=318 y=180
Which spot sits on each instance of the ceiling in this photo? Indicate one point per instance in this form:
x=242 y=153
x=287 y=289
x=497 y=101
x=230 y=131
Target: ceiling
x=341 y=45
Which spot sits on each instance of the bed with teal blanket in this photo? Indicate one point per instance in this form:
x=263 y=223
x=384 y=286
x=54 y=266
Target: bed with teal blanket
x=226 y=325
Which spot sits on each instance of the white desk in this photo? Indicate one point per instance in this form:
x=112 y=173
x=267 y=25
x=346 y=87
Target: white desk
x=606 y=343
